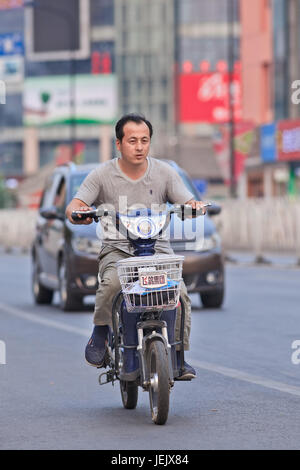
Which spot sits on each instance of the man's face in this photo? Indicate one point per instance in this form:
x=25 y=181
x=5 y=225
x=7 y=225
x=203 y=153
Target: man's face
x=135 y=145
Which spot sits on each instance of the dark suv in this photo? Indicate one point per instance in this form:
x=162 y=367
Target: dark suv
x=64 y=256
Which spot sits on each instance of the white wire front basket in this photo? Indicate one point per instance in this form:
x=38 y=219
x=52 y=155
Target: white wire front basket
x=150 y=282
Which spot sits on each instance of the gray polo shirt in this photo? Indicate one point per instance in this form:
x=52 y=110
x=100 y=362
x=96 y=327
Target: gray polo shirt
x=108 y=185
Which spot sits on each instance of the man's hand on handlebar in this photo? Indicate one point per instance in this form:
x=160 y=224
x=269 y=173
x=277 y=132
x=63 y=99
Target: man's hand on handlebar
x=197 y=205
x=77 y=205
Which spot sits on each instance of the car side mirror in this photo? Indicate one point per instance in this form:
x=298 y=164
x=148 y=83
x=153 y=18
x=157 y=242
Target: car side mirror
x=214 y=209
x=51 y=213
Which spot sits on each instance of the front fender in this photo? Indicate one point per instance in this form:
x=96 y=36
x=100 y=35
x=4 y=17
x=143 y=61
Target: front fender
x=144 y=351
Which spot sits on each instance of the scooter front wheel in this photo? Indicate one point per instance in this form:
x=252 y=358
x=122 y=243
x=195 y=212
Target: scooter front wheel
x=159 y=389
x=129 y=393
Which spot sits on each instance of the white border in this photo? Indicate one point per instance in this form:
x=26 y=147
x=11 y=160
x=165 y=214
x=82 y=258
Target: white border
x=84 y=36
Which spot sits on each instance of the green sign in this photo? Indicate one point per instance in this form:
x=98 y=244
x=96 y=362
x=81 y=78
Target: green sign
x=80 y=99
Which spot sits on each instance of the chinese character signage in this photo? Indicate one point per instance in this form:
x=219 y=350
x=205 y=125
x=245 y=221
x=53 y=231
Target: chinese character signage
x=288 y=140
x=11 y=44
x=244 y=140
x=268 y=149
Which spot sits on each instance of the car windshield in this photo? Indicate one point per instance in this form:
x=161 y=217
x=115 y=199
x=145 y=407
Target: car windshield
x=189 y=185
x=76 y=181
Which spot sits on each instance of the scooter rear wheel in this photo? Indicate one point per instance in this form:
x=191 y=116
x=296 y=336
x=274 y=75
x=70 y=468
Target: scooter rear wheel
x=159 y=390
x=129 y=393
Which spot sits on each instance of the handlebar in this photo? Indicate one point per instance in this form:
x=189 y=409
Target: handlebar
x=82 y=215
x=185 y=209
x=94 y=214
x=180 y=209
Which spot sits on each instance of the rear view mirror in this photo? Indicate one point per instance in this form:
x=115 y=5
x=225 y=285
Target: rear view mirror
x=51 y=213
x=214 y=209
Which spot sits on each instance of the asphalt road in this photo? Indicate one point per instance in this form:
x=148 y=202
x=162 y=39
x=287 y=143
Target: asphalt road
x=246 y=395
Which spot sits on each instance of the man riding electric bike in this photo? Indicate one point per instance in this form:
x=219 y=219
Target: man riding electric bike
x=129 y=182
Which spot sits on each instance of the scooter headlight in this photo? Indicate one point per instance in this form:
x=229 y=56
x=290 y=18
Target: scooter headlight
x=145 y=228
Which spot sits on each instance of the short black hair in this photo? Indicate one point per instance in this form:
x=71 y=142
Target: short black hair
x=135 y=117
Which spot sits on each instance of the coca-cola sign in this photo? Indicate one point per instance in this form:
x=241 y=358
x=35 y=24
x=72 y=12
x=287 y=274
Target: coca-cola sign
x=204 y=97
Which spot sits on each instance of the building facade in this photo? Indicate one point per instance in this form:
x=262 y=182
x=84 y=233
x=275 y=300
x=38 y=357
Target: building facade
x=25 y=146
x=205 y=73
x=154 y=48
x=161 y=48
x=275 y=169
x=145 y=50
x=11 y=135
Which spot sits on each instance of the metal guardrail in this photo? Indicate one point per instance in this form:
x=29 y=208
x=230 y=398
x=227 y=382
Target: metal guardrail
x=260 y=225
x=17 y=228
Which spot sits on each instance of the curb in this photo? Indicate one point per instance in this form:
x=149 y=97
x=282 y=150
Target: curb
x=264 y=263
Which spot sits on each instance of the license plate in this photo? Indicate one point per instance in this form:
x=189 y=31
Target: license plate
x=153 y=280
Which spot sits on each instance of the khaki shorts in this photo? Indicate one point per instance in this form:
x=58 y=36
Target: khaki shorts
x=109 y=286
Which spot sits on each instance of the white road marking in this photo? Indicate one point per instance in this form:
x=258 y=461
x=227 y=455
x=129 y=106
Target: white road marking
x=226 y=371
x=43 y=321
x=244 y=376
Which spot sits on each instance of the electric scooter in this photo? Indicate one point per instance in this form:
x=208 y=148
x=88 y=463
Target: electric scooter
x=142 y=349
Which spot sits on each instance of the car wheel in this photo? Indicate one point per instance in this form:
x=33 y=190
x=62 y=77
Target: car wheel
x=68 y=301
x=41 y=294
x=213 y=299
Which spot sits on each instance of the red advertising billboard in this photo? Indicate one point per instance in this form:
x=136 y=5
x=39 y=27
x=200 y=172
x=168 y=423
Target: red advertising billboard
x=288 y=140
x=204 y=97
x=8 y=4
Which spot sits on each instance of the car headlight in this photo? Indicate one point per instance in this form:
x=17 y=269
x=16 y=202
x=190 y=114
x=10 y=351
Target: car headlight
x=86 y=245
x=208 y=243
